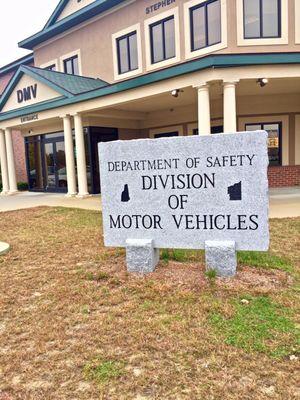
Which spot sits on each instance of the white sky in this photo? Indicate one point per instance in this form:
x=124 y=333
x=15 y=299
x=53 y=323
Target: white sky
x=20 y=19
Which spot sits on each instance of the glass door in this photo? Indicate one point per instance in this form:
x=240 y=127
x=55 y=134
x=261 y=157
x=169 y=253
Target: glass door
x=61 y=170
x=97 y=135
x=34 y=163
x=50 y=178
x=55 y=174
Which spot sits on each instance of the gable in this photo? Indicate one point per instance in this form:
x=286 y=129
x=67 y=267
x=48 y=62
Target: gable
x=73 y=6
x=29 y=91
x=86 y=9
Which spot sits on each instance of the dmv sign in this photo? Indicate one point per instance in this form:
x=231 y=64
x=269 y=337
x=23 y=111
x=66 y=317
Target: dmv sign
x=180 y=192
x=28 y=93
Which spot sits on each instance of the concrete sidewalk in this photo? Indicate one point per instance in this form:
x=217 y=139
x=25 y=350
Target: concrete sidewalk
x=30 y=199
x=284 y=202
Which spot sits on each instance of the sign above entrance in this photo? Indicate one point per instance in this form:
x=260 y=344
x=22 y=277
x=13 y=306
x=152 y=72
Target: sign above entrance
x=29 y=118
x=181 y=192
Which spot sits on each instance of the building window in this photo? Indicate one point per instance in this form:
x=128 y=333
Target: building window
x=127 y=48
x=51 y=67
x=205 y=22
x=214 y=130
x=165 y=135
x=274 y=139
x=71 y=65
x=162 y=40
x=262 y=19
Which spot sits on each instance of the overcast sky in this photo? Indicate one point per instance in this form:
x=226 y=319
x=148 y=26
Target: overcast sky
x=20 y=19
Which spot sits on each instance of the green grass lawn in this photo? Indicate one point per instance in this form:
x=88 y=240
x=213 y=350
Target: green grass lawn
x=75 y=325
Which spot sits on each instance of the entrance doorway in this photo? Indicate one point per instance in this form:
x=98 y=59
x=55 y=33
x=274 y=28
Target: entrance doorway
x=46 y=159
x=55 y=165
x=96 y=136
x=46 y=163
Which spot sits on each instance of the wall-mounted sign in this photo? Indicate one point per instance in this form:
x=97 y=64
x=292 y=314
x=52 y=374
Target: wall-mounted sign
x=157 y=6
x=28 y=93
x=28 y=118
x=181 y=192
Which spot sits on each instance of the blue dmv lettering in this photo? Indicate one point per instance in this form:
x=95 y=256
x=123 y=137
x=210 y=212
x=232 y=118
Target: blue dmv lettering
x=28 y=93
x=158 y=5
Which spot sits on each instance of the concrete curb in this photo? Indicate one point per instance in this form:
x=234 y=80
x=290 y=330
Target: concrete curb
x=4 y=248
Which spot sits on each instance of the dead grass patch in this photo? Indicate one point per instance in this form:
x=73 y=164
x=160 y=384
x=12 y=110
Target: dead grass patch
x=75 y=325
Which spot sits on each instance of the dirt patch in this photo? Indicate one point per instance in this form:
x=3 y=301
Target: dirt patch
x=258 y=280
x=191 y=276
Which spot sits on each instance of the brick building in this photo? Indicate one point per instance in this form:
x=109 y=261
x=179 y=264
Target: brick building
x=6 y=73
x=126 y=69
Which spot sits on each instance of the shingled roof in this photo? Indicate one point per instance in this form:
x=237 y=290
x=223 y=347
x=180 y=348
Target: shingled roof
x=74 y=84
x=65 y=84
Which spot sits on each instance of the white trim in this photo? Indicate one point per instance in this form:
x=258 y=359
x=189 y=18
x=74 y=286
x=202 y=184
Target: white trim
x=69 y=55
x=172 y=12
x=187 y=25
x=297 y=23
x=284 y=39
x=49 y=63
x=119 y=34
x=83 y=24
x=166 y=129
x=72 y=7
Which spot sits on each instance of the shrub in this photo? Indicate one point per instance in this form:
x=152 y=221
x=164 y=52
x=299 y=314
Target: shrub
x=22 y=186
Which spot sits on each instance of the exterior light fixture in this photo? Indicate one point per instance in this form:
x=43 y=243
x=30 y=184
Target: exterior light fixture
x=175 y=92
x=262 y=81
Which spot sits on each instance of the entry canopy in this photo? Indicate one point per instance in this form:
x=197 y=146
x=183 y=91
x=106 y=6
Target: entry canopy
x=31 y=85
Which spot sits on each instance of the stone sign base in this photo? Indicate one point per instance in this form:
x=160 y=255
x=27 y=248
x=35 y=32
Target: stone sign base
x=220 y=256
x=141 y=256
x=4 y=248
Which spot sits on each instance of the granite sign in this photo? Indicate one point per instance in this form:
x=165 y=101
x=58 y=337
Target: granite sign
x=181 y=192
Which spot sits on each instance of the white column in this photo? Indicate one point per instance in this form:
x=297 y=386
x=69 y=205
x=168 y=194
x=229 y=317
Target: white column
x=81 y=159
x=230 y=117
x=204 y=126
x=3 y=164
x=11 y=162
x=70 y=160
